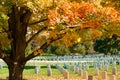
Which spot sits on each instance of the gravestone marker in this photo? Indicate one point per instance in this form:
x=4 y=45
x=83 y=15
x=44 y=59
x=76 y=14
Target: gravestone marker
x=80 y=72
x=1 y=66
x=90 y=77
x=96 y=71
x=104 y=75
x=37 y=68
x=49 y=71
x=85 y=75
x=66 y=74
x=113 y=77
x=106 y=68
x=114 y=71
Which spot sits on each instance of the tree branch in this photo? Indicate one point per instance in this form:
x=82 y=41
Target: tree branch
x=36 y=34
x=43 y=47
x=4 y=56
x=73 y=26
x=41 y=20
x=4 y=32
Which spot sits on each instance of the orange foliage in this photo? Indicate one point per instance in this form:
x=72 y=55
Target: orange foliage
x=53 y=34
x=95 y=34
x=70 y=38
x=87 y=15
x=70 y=12
x=91 y=24
x=110 y=13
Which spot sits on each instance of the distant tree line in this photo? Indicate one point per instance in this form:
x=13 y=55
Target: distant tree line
x=105 y=45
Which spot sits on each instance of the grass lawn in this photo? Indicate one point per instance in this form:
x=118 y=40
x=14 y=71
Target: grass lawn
x=30 y=75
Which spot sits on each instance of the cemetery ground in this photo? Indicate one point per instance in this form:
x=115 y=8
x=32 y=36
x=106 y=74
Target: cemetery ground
x=29 y=73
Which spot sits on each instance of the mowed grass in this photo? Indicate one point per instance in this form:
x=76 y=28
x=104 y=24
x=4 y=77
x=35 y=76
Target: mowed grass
x=30 y=75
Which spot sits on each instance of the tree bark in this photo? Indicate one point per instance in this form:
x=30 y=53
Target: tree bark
x=18 y=21
x=16 y=71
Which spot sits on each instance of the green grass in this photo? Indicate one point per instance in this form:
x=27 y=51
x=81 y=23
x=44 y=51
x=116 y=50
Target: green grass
x=3 y=72
x=29 y=71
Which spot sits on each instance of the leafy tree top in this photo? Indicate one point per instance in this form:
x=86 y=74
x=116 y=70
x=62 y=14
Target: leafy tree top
x=52 y=19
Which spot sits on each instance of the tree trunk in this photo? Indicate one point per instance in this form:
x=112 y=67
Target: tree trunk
x=16 y=71
x=18 y=22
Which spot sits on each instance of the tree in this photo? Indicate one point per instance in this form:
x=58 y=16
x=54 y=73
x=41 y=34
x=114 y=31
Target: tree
x=107 y=45
x=62 y=50
x=59 y=50
x=22 y=22
x=78 y=48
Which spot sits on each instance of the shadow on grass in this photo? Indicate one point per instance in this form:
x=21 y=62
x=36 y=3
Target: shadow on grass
x=33 y=67
x=29 y=67
x=54 y=67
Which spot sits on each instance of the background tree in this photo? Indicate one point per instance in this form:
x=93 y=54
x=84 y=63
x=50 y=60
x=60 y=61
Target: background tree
x=107 y=45
x=59 y=50
x=78 y=49
x=22 y=22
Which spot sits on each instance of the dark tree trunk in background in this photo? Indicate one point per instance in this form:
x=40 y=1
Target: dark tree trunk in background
x=18 y=22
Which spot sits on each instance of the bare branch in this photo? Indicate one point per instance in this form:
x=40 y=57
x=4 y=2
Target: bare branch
x=36 y=34
x=41 y=20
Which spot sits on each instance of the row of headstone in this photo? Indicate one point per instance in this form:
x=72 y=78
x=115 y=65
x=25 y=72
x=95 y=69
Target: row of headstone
x=63 y=71
x=104 y=77
x=79 y=71
x=49 y=70
x=82 y=73
x=81 y=58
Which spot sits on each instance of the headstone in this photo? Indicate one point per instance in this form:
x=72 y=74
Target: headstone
x=80 y=72
x=70 y=63
x=85 y=75
x=1 y=66
x=113 y=77
x=49 y=71
x=100 y=66
x=65 y=65
x=37 y=68
x=114 y=64
x=73 y=68
x=114 y=71
x=106 y=68
x=66 y=74
x=95 y=65
x=90 y=77
x=77 y=70
x=96 y=71
x=80 y=66
x=104 y=75
x=49 y=66
x=87 y=67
